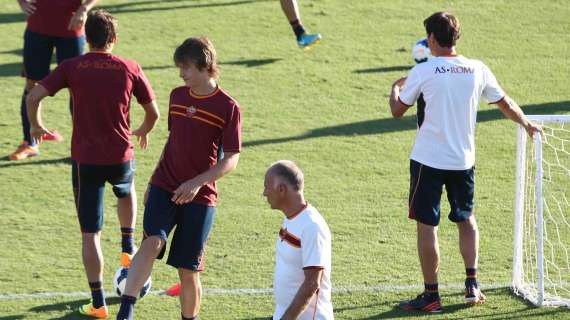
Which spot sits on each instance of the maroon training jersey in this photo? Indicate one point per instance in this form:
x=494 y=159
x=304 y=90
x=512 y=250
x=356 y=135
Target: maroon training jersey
x=101 y=86
x=198 y=125
x=52 y=18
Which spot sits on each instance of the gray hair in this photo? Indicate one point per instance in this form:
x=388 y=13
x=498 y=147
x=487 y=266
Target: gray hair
x=289 y=172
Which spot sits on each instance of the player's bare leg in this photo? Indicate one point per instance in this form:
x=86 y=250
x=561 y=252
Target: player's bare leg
x=127 y=213
x=469 y=241
x=291 y=10
x=190 y=293
x=142 y=263
x=93 y=264
x=92 y=256
x=127 y=209
x=469 y=247
x=428 y=251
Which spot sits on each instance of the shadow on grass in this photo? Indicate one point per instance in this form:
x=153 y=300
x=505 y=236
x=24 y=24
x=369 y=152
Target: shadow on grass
x=70 y=307
x=18 y=317
x=383 y=69
x=387 y=125
x=11 y=18
x=13 y=69
x=252 y=63
x=17 y=52
x=7 y=163
x=142 y=6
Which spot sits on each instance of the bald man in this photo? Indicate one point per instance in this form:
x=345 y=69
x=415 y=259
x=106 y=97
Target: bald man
x=301 y=285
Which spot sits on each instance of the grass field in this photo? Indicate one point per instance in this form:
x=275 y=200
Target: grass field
x=326 y=109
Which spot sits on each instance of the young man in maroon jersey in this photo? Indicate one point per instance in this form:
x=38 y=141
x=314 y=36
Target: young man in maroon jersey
x=182 y=191
x=102 y=86
x=51 y=24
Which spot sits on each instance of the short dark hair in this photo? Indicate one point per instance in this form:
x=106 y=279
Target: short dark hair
x=200 y=52
x=445 y=28
x=100 y=28
x=289 y=172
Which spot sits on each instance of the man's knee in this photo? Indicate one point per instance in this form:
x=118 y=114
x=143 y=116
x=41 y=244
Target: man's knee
x=154 y=244
x=30 y=84
x=188 y=276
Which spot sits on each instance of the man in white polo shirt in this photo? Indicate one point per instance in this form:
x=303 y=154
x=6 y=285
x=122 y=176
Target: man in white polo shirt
x=302 y=280
x=444 y=151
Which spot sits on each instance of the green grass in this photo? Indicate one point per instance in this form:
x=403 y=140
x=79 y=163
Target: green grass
x=326 y=109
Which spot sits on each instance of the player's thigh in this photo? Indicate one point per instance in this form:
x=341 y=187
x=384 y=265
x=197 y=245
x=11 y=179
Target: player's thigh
x=38 y=50
x=121 y=176
x=194 y=223
x=66 y=48
x=88 y=190
x=159 y=214
x=460 y=187
x=426 y=185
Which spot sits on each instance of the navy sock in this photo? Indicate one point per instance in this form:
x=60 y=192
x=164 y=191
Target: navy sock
x=25 y=121
x=127 y=242
x=297 y=28
x=432 y=290
x=471 y=277
x=127 y=308
x=191 y=318
x=97 y=294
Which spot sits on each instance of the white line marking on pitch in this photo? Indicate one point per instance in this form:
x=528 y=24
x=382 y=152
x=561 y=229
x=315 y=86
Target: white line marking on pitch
x=246 y=291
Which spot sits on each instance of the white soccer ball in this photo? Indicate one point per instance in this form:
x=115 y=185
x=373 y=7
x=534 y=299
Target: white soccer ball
x=420 y=51
x=120 y=281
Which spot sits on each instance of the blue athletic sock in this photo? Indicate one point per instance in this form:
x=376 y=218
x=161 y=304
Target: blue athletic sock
x=127 y=308
x=127 y=242
x=97 y=294
x=471 y=277
x=297 y=28
x=191 y=318
x=432 y=290
x=25 y=121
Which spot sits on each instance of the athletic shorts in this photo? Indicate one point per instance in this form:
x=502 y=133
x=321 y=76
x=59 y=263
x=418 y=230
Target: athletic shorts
x=89 y=188
x=38 y=51
x=193 y=223
x=426 y=185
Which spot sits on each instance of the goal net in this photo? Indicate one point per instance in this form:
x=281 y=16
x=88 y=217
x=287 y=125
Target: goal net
x=541 y=261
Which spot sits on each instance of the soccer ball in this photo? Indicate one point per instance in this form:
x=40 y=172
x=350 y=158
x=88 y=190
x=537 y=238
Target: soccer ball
x=420 y=51
x=120 y=281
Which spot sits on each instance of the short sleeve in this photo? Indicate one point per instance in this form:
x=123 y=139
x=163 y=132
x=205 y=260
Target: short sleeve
x=141 y=88
x=231 y=136
x=57 y=79
x=412 y=88
x=492 y=92
x=315 y=249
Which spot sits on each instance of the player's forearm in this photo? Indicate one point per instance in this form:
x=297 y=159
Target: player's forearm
x=33 y=99
x=225 y=166
x=88 y=4
x=396 y=107
x=151 y=116
x=301 y=300
x=512 y=111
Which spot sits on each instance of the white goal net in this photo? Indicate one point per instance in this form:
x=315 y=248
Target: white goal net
x=541 y=262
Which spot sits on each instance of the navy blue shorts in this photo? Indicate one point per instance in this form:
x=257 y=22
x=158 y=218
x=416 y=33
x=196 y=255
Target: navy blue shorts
x=426 y=185
x=89 y=188
x=193 y=223
x=38 y=50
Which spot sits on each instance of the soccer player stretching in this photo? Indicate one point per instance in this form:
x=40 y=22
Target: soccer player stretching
x=182 y=190
x=50 y=24
x=444 y=151
x=102 y=85
x=302 y=279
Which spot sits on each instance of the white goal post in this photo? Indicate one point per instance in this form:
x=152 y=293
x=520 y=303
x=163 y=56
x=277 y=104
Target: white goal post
x=541 y=257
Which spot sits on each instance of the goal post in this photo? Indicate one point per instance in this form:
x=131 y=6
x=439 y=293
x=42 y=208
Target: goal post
x=541 y=254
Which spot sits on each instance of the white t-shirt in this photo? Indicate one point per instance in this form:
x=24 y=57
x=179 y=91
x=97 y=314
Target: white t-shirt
x=303 y=242
x=452 y=88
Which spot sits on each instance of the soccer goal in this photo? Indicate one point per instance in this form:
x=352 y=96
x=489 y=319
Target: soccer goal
x=541 y=261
